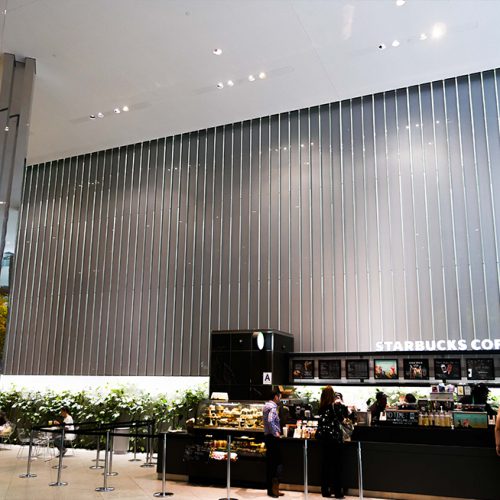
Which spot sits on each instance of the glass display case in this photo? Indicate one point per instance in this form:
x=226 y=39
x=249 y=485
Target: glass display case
x=212 y=414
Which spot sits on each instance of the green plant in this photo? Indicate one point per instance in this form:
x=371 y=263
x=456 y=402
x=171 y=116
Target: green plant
x=104 y=405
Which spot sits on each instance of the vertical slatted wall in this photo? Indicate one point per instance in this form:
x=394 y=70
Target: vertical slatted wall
x=345 y=224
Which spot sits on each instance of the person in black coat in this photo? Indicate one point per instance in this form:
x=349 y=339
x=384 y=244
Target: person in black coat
x=332 y=412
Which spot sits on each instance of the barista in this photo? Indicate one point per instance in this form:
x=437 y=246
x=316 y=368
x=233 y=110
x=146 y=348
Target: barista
x=378 y=406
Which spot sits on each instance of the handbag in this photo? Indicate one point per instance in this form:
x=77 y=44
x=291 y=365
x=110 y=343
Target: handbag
x=347 y=428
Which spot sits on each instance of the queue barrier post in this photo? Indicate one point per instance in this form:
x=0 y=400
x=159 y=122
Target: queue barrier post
x=135 y=459
x=306 y=476
x=105 y=486
x=228 y=471
x=360 y=472
x=149 y=449
x=163 y=493
x=28 y=473
x=60 y=466
x=111 y=451
x=98 y=451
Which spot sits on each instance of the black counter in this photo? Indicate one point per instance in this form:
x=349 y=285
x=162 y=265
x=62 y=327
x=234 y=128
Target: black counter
x=459 y=463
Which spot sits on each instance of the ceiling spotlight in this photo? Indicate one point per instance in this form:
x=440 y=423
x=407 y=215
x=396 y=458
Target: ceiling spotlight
x=92 y=117
x=220 y=85
x=217 y=52
x=381 y=46
x=438 y=30
x=6 y=128
x=400 y=3
x=100 y=115
x=395 y=43
x=230 y=83
x=117 y=111
x=125 y=108
x=262 y=75
x=423 y=36
x=251 y=78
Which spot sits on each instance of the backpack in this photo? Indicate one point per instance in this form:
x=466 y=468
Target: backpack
x=329 y=426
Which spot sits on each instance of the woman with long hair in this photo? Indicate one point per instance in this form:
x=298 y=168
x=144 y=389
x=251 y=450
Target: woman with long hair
x=331 y=413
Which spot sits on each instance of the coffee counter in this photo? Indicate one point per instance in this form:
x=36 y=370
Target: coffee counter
x=433 y=461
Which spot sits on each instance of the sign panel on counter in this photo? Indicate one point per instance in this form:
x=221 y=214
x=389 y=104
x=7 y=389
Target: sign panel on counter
x=329 y=369
x=480 y=369
x=447 y=369
x=401 y=417
x=357 y=369
x=416 y=369
x=303 y=369
x=385 y=369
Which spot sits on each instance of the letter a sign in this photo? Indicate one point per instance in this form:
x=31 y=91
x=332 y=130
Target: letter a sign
x=267 y=378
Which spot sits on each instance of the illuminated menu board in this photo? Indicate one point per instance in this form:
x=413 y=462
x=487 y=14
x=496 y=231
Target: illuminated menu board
x=480 y=369
x=329 y=369
x=357 y=369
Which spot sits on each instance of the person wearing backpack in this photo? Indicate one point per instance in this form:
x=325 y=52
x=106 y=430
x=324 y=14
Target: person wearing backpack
x=331 y=413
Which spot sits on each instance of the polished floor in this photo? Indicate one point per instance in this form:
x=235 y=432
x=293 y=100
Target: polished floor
x=132 y=481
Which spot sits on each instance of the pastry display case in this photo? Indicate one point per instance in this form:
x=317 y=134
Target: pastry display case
x=245 y=416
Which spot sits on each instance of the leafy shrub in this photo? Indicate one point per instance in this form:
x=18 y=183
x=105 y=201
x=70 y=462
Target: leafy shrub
x=32 y=408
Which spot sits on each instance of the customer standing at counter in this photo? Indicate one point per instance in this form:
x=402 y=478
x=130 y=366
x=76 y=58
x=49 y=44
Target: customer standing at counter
x=272 y=434
x=332 y=413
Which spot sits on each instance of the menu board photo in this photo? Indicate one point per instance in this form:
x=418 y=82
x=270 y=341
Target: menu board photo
x=416 y=369
x=480 y=369
x=329 y=368
x=447 y=369
x=385 y=369
x=303 y=369
x=357 y=368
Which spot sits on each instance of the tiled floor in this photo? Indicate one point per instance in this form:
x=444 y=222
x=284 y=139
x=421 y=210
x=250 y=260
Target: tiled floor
x=132 y=481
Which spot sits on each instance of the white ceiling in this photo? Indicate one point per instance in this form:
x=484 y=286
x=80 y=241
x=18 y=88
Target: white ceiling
x=156 y=57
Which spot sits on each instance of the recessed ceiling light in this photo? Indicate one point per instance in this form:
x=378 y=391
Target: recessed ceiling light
x=100 y=115
x=125 y=108
x=400 y=3
x=395 y=43
x=92 y=117
x=117 y=111
x=251 y=78
x=381 y=46
x=220 y=85
x=438 y=30
x=262 y=75
x=217 y=52
x=423 y=36
x=230 y=83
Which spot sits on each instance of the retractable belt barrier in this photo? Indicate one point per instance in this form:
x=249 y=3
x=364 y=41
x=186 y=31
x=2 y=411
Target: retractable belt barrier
x=103 y=429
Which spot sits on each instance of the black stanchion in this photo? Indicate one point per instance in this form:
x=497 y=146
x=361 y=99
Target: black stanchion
x=105 y=486
x=228 y=472
x=30 y=450
x=163 y=493
x=60 y=466
x=97 y=459
x=135 y=459
x=306 y=476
